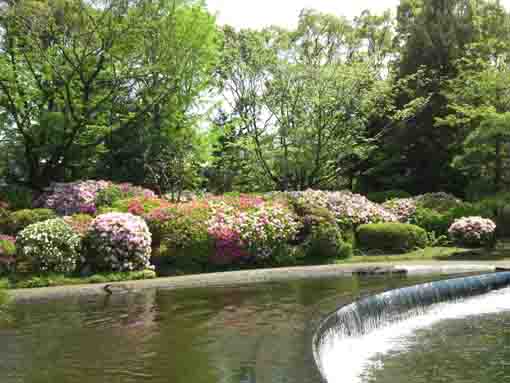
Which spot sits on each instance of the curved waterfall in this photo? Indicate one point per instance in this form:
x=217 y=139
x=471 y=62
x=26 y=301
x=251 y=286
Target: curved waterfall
x=347 y=340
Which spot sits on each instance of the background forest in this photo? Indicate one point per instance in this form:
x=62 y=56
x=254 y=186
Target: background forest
x=156 y=93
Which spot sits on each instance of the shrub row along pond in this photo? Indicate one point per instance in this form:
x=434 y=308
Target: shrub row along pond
x=97 y=226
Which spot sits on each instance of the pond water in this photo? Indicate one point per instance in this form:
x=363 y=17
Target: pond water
x=258 y=333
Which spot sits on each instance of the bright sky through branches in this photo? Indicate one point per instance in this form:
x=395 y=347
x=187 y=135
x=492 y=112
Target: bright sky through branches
x=261 y=13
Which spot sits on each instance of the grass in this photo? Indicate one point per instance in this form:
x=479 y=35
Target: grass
x=500 y=253
x=32 y=281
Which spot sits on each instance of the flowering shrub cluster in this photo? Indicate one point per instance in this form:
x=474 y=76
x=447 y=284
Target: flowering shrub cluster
x=239 y=234
x=83 y=196
x=49 y=246
x=402 y=208
x=357 y=210
x=118 y=242
x=473 y=231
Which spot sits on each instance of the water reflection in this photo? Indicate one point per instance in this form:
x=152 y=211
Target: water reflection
x=251 y=334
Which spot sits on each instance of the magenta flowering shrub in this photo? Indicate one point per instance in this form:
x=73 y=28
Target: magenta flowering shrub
x=355 y=209
x=256 y=232
x=473 y=231
x=402 y=208
x=81 y=197
x=118 y=242
x=72 y=198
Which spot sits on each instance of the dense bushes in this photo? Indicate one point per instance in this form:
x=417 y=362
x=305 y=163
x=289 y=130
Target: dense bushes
x=16 y=221
x=225 y=232
x=49 y=246
x=118 y=242
x=391 y=237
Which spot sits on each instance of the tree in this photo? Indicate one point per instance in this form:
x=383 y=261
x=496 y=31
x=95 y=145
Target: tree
x=304 y=98
x=75 y=73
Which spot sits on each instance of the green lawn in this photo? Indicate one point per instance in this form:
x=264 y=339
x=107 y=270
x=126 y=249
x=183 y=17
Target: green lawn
x=500 y=253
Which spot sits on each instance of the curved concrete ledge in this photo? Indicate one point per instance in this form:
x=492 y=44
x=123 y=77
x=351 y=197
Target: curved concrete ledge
x=248 y=277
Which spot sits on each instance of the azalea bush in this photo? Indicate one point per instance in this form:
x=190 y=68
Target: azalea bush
x=73 y=197
x=250 y=235
x=403 y=208
x=118 y=242
x=87 y=196
x=355 y=209
x=473 y=231
x=49 y=246
x=140 y=205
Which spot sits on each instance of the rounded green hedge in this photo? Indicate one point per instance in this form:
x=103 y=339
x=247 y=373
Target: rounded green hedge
x=383 y=196
x=391 y=237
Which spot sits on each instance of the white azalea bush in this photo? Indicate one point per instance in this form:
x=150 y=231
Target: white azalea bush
x=49 y=246
x=118 y=242
x=473 y=231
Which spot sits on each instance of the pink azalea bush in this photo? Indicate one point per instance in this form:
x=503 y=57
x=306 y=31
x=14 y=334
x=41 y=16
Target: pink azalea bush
x=118 y=242
x=402 y=208
x=239 y=234
x=81 y=196
x=73 y=197
x=473 y=231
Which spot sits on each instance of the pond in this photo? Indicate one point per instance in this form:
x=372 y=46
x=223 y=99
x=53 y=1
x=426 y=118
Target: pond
x=257 y=333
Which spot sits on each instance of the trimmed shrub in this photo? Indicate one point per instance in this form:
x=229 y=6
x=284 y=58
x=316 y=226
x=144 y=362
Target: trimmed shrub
x=391 y=237
x=473 y=231
x=7 y=254
x=383 y=196
x=118 y=242
x=18 y=220
x=49 y=246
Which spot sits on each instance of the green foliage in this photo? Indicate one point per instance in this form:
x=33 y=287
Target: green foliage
x=18 y=220
x=48 y=246
x=7 y=254
x=431 y=220
x=380 y=197
x=185 y=238
x=391 y=237
x=17 y=197
x=326 y=241
x=106 y=197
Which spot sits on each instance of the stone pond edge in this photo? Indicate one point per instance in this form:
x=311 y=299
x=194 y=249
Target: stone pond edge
x=237 y=278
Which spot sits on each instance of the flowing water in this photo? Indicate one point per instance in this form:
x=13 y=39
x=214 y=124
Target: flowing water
x=258 y=333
